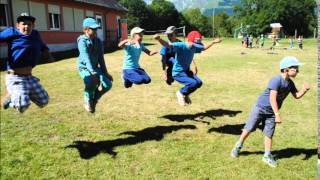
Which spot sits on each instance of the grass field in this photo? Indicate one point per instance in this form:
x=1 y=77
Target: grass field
x=142 y=133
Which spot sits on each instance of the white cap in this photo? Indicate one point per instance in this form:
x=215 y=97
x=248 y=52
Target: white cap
x=170 y=30
x=136 y=30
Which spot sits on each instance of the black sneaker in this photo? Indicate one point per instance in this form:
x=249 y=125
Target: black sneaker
x=89 y=106
x=127 y=84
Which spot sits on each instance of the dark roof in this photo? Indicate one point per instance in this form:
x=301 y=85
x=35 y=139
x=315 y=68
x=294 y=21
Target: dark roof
x=112 y=4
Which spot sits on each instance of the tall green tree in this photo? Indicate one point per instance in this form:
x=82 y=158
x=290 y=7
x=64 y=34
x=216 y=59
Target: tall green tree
x=138 y=15
x=222 y=25
x=195 y=20
x=292 y=14
x=164 y=13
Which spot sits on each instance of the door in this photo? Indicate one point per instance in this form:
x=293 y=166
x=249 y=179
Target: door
x=100 y=31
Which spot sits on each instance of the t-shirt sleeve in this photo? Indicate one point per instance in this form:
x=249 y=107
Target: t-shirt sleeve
x=163 y=51
x=199 y=47
x=6 y=34
x=274 y=83
x=143 y=48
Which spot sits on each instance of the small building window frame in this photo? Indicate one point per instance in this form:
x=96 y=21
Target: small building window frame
x=55 y=21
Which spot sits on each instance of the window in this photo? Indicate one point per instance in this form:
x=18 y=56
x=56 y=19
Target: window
x=3 y=15
x=54 y=21
x=99 y=21
x=54 y=17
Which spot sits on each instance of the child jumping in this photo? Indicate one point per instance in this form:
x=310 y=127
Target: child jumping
x=91 y=65
x=168 y=56
x=181 y=68
x=266 y=110
x=24 y=50
x=132 y=72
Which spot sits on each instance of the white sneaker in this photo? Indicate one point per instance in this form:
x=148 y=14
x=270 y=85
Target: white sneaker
x=181 y=98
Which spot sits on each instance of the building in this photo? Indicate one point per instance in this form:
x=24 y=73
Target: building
x=60 y=21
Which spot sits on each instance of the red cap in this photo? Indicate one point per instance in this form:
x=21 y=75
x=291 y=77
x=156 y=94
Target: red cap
x=193 y=35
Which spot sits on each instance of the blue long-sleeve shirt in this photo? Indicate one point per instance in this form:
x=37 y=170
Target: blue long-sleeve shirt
x=23 y=50
x=90 y=54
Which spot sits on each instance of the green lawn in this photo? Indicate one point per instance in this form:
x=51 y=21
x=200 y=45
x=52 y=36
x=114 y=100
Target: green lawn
x=142 y=133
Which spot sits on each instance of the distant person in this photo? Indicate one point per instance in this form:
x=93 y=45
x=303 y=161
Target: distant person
x=291 y=42
x=261 y=40
x=273 y=42
x=300 y=41
x=250 y=41
x=257 y=42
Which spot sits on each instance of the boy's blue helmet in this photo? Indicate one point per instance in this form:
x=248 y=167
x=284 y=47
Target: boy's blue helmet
x=90 y=23
x=289 y=61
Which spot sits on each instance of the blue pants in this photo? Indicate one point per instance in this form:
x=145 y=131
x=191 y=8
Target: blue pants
x=169 y=71
x=91 y=91
x=191 y=82
x=135 y=76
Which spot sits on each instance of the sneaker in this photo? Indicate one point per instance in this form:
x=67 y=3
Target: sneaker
x=169 y=81
x=127 y=84
x=6 y=103
x=235 y=151
x=270 y=160
x=188 y=100
x=89 y=106
x=181 y=98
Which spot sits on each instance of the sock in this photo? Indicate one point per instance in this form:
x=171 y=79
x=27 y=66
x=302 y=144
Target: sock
x=267 y=152
x=239 y=143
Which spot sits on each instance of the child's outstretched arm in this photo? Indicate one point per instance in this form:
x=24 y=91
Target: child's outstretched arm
x=6 y=34
x=274 y=105
x=302 y=92
x=161 y=41
x=150 y=53
x=215 y=41
x=122 y=44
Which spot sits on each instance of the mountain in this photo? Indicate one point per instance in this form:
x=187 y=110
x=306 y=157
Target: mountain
x=206 y=6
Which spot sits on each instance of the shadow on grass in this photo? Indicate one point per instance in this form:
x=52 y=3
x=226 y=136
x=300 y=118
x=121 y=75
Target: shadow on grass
x=287 y=153
x=88 y=150
x=234 y=129
x=199 y=116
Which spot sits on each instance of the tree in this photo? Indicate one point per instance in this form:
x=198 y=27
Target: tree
x=138 y=14
x=292 y=14
x=222 y=25
x=197 y=21
x=165 y=12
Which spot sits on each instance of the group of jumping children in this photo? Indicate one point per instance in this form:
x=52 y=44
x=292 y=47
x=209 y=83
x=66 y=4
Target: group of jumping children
x=25 y=47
